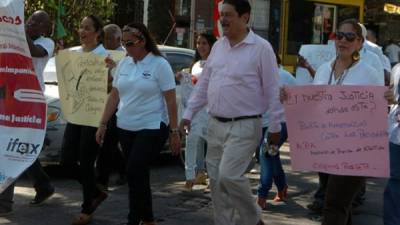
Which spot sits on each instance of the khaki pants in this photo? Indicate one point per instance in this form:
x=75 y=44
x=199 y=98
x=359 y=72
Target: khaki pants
x=231 y=146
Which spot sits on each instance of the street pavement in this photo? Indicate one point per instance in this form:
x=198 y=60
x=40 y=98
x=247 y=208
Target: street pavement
x=173 y=205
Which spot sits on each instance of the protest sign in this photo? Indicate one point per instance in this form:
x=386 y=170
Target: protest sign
x=316 y=55
x=82 y=83
x=22 y=103
x=338 y=129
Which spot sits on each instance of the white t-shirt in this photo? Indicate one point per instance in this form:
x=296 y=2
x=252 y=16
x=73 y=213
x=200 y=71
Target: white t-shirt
x=39 y=63
x=285 y=79
x=141 y=86
x=374 y=61
x=392 y=51
x=199 y=121
x=377 y=50
x=99 y=50
x=358 y=74
x=394 y=129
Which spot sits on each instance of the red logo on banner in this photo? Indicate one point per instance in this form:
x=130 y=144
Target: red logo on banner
x=10 y=19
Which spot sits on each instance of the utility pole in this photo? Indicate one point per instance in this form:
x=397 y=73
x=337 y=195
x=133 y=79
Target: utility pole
x=192 y=23
x=145 y=12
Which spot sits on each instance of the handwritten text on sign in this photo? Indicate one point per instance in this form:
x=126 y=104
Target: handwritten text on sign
x=82 y=81
x=338 y=129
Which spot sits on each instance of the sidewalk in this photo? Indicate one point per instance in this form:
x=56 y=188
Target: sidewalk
x=175 y=206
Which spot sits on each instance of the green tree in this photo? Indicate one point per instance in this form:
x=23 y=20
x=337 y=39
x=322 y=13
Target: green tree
x=75 y=10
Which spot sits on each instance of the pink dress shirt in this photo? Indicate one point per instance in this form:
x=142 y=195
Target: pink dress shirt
x=238 y=81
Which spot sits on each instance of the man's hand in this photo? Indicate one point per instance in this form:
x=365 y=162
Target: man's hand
x=184 y=126
x=274 y=138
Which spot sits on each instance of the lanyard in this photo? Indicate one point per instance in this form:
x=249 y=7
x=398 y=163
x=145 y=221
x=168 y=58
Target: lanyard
x=344 y=74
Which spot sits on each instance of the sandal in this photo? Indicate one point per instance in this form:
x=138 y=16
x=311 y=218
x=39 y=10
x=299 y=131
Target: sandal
x=82 y=219
x=262 y=202
x=281 y=195
x=189 y=185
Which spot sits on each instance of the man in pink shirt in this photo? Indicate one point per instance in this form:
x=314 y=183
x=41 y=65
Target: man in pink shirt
x=238 y=84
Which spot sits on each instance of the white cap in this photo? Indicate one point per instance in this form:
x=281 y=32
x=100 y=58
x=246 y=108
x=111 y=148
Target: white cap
x=363 y=30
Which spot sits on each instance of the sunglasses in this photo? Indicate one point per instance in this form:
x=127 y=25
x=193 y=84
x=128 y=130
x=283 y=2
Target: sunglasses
x=130 y=43
x=349 y=36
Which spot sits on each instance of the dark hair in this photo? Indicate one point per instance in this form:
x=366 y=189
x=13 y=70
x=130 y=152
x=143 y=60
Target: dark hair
x=356 y=26
x=241 y=6
x=278 y=59
x=151 y=45
x=210 y=40
x=98 y=26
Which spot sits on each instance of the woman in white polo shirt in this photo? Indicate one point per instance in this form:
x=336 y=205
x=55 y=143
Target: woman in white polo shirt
x=144 y=93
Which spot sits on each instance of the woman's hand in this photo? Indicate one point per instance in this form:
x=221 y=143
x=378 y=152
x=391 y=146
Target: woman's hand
x=389 y=96
x=175 y=143
x=110 y=63
x=178 y=76
x=283 y=94
x=100 y=133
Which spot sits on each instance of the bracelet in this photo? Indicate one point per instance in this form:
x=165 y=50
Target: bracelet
x=174 y=131
x=103 y=125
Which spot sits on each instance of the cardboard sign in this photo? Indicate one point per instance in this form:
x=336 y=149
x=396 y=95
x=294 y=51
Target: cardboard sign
x=316 y=55
x=82 y=83
x=338 y=129
x=22 y=103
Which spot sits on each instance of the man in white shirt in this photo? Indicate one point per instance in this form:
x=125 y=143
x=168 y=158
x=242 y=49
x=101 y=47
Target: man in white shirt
x=41 y=49
x=112 y=37
x=392 y=51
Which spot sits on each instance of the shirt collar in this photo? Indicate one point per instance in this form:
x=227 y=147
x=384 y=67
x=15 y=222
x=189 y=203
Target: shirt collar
x=146 y=60
x=249 y=39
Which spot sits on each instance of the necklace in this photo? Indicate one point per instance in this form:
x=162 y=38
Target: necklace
x=342 y=76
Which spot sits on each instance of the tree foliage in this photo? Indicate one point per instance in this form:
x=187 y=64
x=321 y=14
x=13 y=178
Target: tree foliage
x=75 y=10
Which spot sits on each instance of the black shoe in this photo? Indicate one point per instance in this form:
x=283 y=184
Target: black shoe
x=316 y=207
x=5 y=212
x=42 y=196
x=121 y=180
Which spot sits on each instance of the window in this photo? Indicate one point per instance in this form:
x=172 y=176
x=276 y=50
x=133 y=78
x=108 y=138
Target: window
x=179 y=61
x=315 y=23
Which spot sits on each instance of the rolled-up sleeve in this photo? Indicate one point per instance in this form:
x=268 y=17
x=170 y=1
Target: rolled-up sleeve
x=270 y=86
x=198 y=98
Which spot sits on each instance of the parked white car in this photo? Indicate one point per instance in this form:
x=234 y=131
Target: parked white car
x=179 y=58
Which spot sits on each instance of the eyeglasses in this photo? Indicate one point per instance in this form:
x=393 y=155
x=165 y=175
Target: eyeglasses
x=349 y=36
x=130 y=43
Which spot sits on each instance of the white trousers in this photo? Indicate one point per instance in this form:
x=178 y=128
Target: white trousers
x=231 y=146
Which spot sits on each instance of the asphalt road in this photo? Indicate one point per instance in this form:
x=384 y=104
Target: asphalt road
x=173 y=205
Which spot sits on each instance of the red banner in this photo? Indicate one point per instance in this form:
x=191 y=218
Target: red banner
x=217 y=25
x=22 y=103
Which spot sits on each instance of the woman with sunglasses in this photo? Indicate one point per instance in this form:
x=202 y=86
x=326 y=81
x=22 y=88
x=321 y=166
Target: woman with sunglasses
x=78 y=143
x=144 y=93
x=345 y=69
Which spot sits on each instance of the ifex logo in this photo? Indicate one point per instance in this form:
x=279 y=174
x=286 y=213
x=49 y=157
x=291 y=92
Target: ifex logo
x=21 y=147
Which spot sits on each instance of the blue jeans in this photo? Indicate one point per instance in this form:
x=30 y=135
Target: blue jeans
x=391 y=199
x=271 y=168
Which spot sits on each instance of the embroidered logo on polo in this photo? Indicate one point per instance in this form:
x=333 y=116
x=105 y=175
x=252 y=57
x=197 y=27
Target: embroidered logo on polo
x=146 y=74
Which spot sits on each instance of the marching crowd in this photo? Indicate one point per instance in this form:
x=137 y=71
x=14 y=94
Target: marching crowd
x=232 y=97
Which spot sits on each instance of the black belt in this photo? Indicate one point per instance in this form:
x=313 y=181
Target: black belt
x=224 y=120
